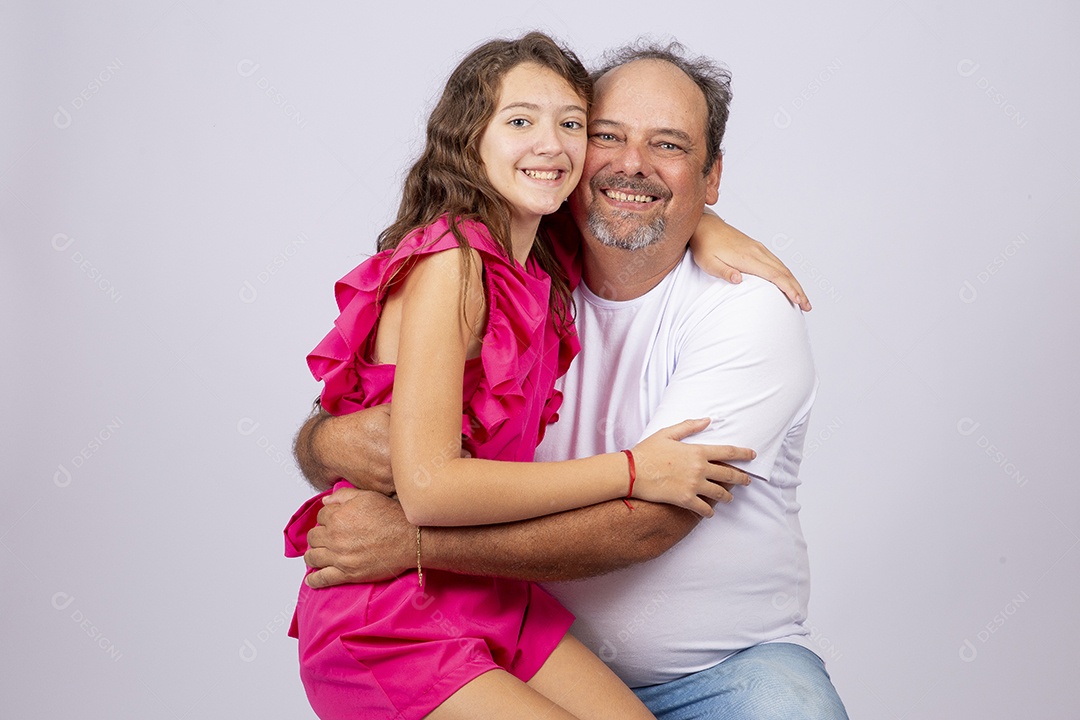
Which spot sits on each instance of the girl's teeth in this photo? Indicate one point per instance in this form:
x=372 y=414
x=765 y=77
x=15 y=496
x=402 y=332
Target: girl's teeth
x=543 y=175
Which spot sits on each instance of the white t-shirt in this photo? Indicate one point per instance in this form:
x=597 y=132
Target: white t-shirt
x=695 y=346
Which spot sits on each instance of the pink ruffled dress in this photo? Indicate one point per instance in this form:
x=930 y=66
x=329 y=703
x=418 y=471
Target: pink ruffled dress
x=392 y=649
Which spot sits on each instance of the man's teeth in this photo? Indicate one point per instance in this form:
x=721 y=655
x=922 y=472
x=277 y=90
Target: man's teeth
x=543 y=174
x=623 y=197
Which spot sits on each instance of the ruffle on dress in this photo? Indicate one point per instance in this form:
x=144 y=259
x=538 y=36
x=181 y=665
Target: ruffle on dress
x=516 y=358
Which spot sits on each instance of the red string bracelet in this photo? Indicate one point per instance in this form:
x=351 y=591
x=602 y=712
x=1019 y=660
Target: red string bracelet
x=633 y=477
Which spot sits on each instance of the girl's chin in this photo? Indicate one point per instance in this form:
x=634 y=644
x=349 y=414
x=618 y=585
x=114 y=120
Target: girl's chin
x=536 y=211
x=549 y=207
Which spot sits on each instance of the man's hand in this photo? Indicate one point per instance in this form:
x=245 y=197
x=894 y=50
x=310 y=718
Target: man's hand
x=362 y=536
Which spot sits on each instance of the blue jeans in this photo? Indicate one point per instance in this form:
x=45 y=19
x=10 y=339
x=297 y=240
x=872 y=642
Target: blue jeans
x=778 y=681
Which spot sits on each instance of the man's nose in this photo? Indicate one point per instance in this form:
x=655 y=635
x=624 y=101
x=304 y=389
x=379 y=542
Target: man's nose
x=631 y=160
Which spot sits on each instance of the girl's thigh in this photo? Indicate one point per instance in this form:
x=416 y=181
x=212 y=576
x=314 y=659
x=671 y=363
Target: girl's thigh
x=578 y=681
x=497 y=694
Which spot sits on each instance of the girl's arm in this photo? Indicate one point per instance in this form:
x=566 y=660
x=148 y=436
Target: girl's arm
x=438 y=487
x=722 y=251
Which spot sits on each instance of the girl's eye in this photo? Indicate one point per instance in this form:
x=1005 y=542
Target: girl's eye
x=519 y=122
x=572 y=125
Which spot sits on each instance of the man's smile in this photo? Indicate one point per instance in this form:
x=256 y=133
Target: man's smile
x=620 y=196
x=629 y=193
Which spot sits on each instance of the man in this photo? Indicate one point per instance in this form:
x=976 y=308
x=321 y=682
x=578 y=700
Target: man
x=710 y=626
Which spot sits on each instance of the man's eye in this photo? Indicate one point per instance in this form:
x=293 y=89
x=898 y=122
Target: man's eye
x=605 y=137
x=668 y=146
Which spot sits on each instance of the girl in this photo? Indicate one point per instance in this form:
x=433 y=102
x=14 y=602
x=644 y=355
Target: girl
x=465 y=288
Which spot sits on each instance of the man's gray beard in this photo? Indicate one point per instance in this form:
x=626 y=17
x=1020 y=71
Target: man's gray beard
x=638 y=237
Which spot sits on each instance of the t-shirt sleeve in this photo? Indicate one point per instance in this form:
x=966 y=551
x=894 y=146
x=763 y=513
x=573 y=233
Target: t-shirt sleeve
x=744 y=362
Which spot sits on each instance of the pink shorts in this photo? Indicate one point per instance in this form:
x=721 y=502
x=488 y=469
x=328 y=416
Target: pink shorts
x=394 y=650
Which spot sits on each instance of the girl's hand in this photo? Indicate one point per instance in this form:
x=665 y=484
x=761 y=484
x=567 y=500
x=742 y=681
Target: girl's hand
x=722 y=251
x=677 y=473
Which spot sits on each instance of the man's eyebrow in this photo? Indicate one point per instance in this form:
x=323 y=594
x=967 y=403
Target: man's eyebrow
x=681 y=135
x=536 y=108
x=604 y=123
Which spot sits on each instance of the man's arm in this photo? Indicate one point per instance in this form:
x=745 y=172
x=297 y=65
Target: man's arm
x=566 y=546
x=364 y=536
x=354 y=447
x=745 y=361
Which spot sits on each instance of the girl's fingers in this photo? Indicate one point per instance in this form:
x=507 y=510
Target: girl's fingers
x=717 y=492
x=728 y=475
x=728 y=453
x=724 y=495
x=700 y=507
x=684 y=429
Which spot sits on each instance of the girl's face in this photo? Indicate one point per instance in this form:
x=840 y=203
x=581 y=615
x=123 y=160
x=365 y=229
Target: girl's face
x=533 y=148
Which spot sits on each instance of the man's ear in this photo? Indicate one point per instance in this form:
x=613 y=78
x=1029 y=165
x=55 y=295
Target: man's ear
x=712 y=181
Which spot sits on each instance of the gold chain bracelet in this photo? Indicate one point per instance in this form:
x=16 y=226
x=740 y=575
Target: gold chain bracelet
x=419 y=569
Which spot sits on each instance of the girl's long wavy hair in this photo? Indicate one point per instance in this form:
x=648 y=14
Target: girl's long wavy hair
x=449 y=178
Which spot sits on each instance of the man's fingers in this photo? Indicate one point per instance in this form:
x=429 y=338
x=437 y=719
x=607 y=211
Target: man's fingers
x=323 y=518
x=318 y=558
x=315 y=536
x=326 y=577
x=339 y=496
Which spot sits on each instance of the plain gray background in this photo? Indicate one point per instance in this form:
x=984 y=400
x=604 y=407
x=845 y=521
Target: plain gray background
x=182 y=182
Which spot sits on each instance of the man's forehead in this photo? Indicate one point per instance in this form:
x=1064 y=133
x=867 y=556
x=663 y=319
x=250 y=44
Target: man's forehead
x=645 y=70
x=653 y=89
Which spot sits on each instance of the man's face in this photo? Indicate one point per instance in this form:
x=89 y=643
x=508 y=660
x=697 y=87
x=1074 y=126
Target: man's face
x=643 y=178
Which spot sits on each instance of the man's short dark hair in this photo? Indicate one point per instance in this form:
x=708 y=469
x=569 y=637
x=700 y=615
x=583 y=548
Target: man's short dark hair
x=713 y=79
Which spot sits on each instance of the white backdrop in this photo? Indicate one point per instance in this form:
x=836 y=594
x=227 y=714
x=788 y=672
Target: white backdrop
x=182 y=182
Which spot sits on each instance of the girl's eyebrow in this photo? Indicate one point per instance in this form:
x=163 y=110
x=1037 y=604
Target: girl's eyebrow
x=536 y=108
